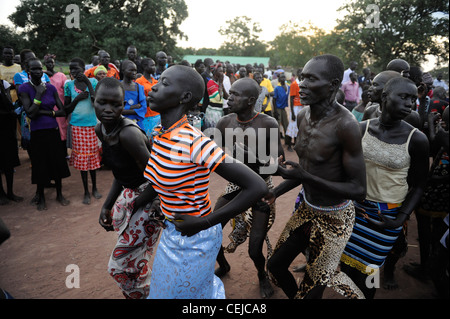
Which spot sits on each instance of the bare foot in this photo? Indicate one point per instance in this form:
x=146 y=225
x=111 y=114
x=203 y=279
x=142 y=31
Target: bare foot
x=41 y=204
x=14 y=198
x=87 y=199
x=265 y=288
x=417 y=271
x=62 y=200
x=390 y=283
x=35 y=199
x=4 y=200
x=96 y=194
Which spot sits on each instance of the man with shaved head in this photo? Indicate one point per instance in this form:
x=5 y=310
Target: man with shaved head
x=373 y=109
x=400 y=66
x=161 y=62
x=332 y=173
x=247 y=131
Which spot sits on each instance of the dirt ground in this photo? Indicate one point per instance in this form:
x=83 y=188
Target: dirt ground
x=42 y=244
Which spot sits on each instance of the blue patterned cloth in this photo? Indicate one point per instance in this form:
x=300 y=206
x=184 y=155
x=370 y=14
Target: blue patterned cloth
x=149 y=123
x=184 y=266
x=369 y=244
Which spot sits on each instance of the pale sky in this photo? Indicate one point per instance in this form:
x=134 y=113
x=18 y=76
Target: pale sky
x=207 y=16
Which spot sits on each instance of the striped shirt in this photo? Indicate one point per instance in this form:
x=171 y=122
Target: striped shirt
x=179 y=167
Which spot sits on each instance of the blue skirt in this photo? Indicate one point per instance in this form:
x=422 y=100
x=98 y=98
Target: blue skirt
x=184 y=266
x=369 y=244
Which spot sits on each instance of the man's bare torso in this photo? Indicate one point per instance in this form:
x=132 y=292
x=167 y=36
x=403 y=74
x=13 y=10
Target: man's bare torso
x=320 y=152
x=257 y=137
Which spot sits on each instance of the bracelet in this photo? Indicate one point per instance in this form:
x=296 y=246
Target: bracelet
x=37 y=102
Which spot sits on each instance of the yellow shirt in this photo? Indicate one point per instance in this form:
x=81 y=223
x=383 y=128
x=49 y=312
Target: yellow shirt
x=266 y=83
x=7 y=74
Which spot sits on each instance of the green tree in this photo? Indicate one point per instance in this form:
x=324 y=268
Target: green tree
x=9 y=37
x=297 y=43
x=150 y=25
x=375 y=32
x=242 y=38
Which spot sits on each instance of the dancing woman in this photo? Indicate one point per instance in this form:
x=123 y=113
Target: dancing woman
x=125 y=152
x=179 y=168
x=396 y=158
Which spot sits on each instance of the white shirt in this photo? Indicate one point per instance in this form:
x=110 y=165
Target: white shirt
x=437 y=83
x=226 y=87
x=6 y=85
x=347 y=75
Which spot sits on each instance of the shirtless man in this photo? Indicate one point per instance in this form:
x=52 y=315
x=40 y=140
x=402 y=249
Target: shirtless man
x=332 y=171
x=245 y=128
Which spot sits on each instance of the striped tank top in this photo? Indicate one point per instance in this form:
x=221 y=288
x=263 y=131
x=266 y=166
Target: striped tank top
x=181 y=162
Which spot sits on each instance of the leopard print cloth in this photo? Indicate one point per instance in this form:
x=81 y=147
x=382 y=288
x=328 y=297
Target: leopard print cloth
x=330 y=231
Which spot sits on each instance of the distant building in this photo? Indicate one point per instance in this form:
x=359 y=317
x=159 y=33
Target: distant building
x=242 y=60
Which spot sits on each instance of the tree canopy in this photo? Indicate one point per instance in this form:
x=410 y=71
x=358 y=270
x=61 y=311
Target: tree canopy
x=407 y=29
x=296 y=44
x=242 y=38
x=370 y=32
x=150 y=25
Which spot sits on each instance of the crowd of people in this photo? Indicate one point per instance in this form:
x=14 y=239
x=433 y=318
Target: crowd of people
x=372 y=150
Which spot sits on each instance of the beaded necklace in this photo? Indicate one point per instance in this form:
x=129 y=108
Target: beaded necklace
x=245 y=123
x=248 y=120
x=163 y=131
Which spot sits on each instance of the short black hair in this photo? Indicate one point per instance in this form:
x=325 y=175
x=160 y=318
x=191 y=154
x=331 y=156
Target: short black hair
x=335 y=66
x=416 y=74
x=27 y=64
x=396 y=81
x=208 y=62
x=125 y=63
x=198 y=62
x=110 y=83
x=80 y=62
x=185 y=62
x=145 y=61
x=22 y=56
x=8 y=47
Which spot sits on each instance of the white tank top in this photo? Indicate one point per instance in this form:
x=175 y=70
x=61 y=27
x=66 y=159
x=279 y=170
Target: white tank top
x=387 y=168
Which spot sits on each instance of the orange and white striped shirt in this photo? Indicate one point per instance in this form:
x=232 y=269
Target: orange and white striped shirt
x=179 y=167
